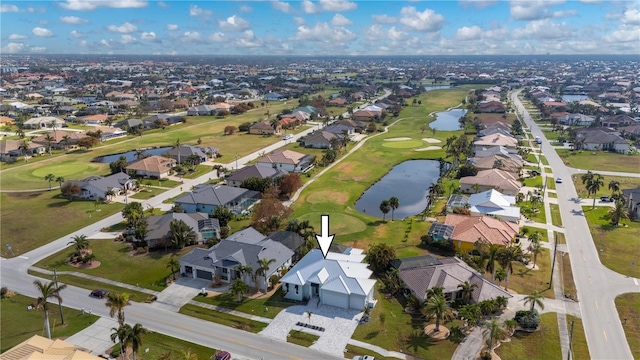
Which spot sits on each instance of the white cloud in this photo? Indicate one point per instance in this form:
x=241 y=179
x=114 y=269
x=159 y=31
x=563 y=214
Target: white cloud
x=172 y=27
x=38 y=49
x=245 y=8
x=89 y=5
x=340 y=20
x=163 y=4
x=468 y=33
x=426 y=21
x=285 y=7
x=9 y=8
x=105 y=43
x=478 y=4
x=631 y=17
x=376 y=33
x=309 y=7
x=124 y=28
x=82 y=43
x=384 y=19
x=73 y=20
x=194 y=10
x=192 y=36
x=529 y=10
x=128 y=39
x=625 y=34
x=543 y=30
x=217 y=37
x=324 y=33
x=234 y=23
x=299 y=20
x=12 y=48
x=42 y=32
x=247 y=40
x=76 y=34
x=148 y=36
x=338 y=5
x=17 y=37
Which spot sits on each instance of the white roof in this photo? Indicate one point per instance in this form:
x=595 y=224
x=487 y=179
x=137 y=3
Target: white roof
x=492 y=202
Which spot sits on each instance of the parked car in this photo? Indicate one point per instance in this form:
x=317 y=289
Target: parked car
x=288 y=136
x=222 y=355
x=559 y=180
x=99 y=293
x=606 y=199
x=365 y=357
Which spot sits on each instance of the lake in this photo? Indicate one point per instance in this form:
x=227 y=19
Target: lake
x=448 y=120
x=573 y=98
x=131 y=155
x=409 y=182
x=436 y=87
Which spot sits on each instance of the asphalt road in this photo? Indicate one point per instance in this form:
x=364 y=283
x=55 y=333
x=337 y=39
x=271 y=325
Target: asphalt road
x=597 y=285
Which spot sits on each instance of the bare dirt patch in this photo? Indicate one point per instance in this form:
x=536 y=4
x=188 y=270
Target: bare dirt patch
x=337 y=197
x=429 y=148
x=432 y=140
x=431 y=332
x=398 y=139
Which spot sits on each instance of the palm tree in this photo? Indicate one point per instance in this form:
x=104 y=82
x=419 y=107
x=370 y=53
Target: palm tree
x=116 y=304
x=501 y=274
x=238 y=288
x=384 y=208
x=178 y=148
x=24 y=148
x=46 y=292
x=121 y=334
x=244 y=270
x=262 y=270
x=60 y=181
x=394 y=203
x=174 y=265
x=50 y=178
x=109 y=194
x=535 y=249
x=466 y=288
x=49 y=139
x=476 y=188
x=135 y=337
x=586 y=177
x=510 y=326
x=80 y=242
x=495 y=331
x=593 y=186
x=507 y=257
x=618 y=212
x=492 y=255
x=614 y=186
x=436 y=306
x=534 y=299
x=181 y=233
x=66 y=139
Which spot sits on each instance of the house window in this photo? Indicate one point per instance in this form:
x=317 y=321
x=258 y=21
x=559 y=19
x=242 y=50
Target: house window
x=225 y=270
x=296 y=289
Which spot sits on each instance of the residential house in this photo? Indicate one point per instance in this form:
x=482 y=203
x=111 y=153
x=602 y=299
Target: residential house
x=366 y=115
x=457 y=201
x=95 y=187
x=6 y=121
x=200 y=110
x=109 y=132
x=286 y=160
x=421 y=273
x=554 y=106
x=576 y=120
x=60 y=139
x=41 y=348
x=206 y=198
x=497 y=150
x=340 y=279
x=261 y=172
x=493 y=203
x=264 y=128
x=467 y=230
x=130 y=124
x=186 y=152
x=273 y=97
x=221 y=260
x=491 y=106
x=97 y=119
x=293 y=241
x=10 y=150
x=495 y=140
x=44 y=122
x=319 y=140
x=157 y=120
x=503 y=181
x=602 y=139
x=155 y=167
x=617 y=120
x=339 y=130
x=632 y=199
x=498 y=161
x=337 y=102
x=159 y=227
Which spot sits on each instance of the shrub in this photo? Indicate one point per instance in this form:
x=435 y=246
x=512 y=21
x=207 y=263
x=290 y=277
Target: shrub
x=3 y=292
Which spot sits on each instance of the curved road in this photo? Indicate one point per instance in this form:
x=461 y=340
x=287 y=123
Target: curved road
x=597 y=285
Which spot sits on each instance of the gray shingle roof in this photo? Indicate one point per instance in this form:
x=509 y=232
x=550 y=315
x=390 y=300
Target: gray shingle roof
x=215 y=195
x=254 y=171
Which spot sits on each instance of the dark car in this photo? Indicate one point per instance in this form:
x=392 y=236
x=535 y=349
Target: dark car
x=606 y=199
x=222 y=355
x=99 y=293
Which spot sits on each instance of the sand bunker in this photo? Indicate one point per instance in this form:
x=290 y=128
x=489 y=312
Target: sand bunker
x=429 y=148
x=432 y=140
x=398 y=139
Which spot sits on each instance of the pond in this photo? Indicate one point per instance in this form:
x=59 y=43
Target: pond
x=131 y=155
x=448 y=120
x=574 y=98
x=436 y=87
x=409 y=182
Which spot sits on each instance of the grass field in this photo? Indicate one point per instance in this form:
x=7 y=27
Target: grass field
x=159 y=345
x=564 y=262
x=526 y=281
x=618 y=246
x=353 y=351
x=600 y=160
x=301 y=338
x=223 y=318
x=628 y=306
x=31 y=322
x=262 y=306
x=556 y=219
x=579 y=347
x=625 y=183
x=542 y=344
x=115 y=256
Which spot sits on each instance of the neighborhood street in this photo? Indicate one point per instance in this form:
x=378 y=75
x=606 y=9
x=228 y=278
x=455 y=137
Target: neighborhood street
x=597 y=286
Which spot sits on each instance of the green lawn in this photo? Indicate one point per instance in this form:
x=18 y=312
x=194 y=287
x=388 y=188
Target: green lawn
x=147 y=193
x=56 y=217
x=532 y=181
x=625 y=183
x=569 y=287
x=542 y=344
x=115 y=256
x=223 y=318
x=556 y=219
x=527 y=210
x=353 y=350
x=579 y=347
x=301 y=338
x=262 y=306
x=526 y=281
x=17 y=324
x=159 y=345
x=617 y=245
x=600 y=160
x=628 y=306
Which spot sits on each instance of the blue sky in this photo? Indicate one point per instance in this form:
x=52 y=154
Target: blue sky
x=323 y=27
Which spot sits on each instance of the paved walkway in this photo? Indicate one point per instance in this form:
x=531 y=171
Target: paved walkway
x=97 y=337
x=95 y=278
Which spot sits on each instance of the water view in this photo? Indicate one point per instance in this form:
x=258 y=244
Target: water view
x=448 y=120
x=436 y=87
x=409 y=182
x=131 y=155
x=573 y=98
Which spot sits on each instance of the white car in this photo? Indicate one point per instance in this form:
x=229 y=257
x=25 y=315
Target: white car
x=288 y=136
x=366 y=357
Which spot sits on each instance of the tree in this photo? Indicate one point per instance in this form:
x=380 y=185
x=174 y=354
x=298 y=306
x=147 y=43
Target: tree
x=133 y=213
x=257 y=184
x=535 y=248
x=269 y=212
x=516 y=127
x=174 y=265
x=230 y=130
x=289 y=184
x=134 y=336
x=243 y=271
x=466 y=288
x=436 y=306
x=177 y=146
x=181 y=233
x=66 y=139
x=534 y=299
x=71 y=190
x=501 y=274
x=223 y=214
x=50 y=178
x=262 y=270
x=476 y=188
x=119 y=165
x=109 y=194
x=593 y=186
x=394 y=203
x=378 y=256
x=47 y=291
x=470 y=313
x=116 y=304
x=25 y=149
x=238 y=288
x=88 y=142
x=495 y=332
x=121 y=334
x=507 y=257
x=60 y=181
x=618 y=212
x=80 y=242
x=492 y=254
x=384 y=208
x=49 y=139
x=614 y=186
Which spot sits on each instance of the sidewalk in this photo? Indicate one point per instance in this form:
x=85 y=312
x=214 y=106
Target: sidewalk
x=97 y=337
x=95 y=278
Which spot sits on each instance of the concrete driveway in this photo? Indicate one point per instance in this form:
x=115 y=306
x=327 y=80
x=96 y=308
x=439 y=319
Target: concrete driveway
x=179 y=293
x=97 y=337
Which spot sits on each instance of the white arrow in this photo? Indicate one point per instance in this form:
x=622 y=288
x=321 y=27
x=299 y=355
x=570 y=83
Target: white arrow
x=324 y=239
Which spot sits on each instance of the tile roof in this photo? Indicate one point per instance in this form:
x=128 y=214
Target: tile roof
x=497 y=178
x=282 y=157
x=474 y=228
x=153 y=163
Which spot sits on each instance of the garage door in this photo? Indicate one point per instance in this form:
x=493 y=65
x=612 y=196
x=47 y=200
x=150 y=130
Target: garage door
x=335 y=299
x=356 y=302
x=202 y=274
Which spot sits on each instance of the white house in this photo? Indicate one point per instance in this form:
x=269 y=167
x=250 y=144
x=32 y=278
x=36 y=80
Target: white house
x=340 y=280
x=494 y=203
